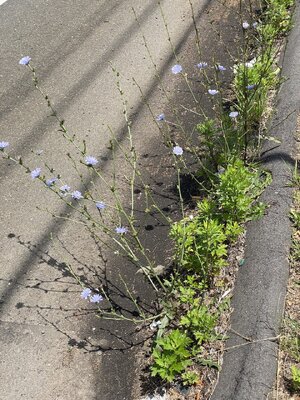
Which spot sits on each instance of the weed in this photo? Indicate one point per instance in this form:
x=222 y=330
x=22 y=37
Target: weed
x=295 y=371
x=189 y=378
x=295 y=218
x=200 y=323
x=277 y=19
x=190 y=289
x=290 y=342
x=296 y=179
x=295 y=250
x=171 y=355
x=200 y=245
x=238 y=188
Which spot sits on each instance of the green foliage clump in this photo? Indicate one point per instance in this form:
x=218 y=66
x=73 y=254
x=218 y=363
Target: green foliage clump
x=189 y=378
x=277 y=19
x=200 y=245
x=171 y=355
x=189 y=290
x=238 y=188
x=219 y=140
x=295 y=218
x=200 y=323
x=201 y=248
x=295 y=377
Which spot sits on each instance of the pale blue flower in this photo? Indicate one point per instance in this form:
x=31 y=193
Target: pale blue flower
x=121 y=229
x=3 y=145
x=36 y=173
x=76 y=195
x=220 y=68
x=160 y=117
x=176 y=69
x=250 y=64
x=233 y=114
x=25 y=60
x=65 y=188
x=51 y=181
x=154 y=325
x=91 y=161
x=255 y=25
x=86 y=293
x=100 y=205
x=178 y=151
x=250 y=87
x=213 y=91
x=202 y=65
x=245 y=25
x=96 y=298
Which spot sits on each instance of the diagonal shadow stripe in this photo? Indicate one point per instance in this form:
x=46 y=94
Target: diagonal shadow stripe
x=81 y=86
x=10 y=101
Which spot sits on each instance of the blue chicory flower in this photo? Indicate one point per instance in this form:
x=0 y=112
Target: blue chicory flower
x=85 y=294
x=250 y=87
x=3 y=145
x=51 y=181
x=65 y=188
x=100 y=205
x=25 y=60
x=121 y=229
x=36 y=173
x=233 y=114
x=160 y=117
x=178 y=151
x=220 y=68
x=213 y=91
x=202 y=65
x=176 y=69
x=91 y=161
x=245 y=25
x=255 y=25
x=76 y=195
x=96 y=298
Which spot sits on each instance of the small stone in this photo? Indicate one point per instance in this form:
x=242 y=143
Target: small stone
x=241 y=262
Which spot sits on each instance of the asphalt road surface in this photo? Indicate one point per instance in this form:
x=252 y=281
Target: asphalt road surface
x=45 y=351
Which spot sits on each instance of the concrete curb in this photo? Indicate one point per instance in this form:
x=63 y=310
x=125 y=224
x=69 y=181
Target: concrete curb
x=249 y=371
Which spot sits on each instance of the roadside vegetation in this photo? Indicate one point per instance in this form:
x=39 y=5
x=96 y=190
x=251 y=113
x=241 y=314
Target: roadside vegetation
x=193 y=292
